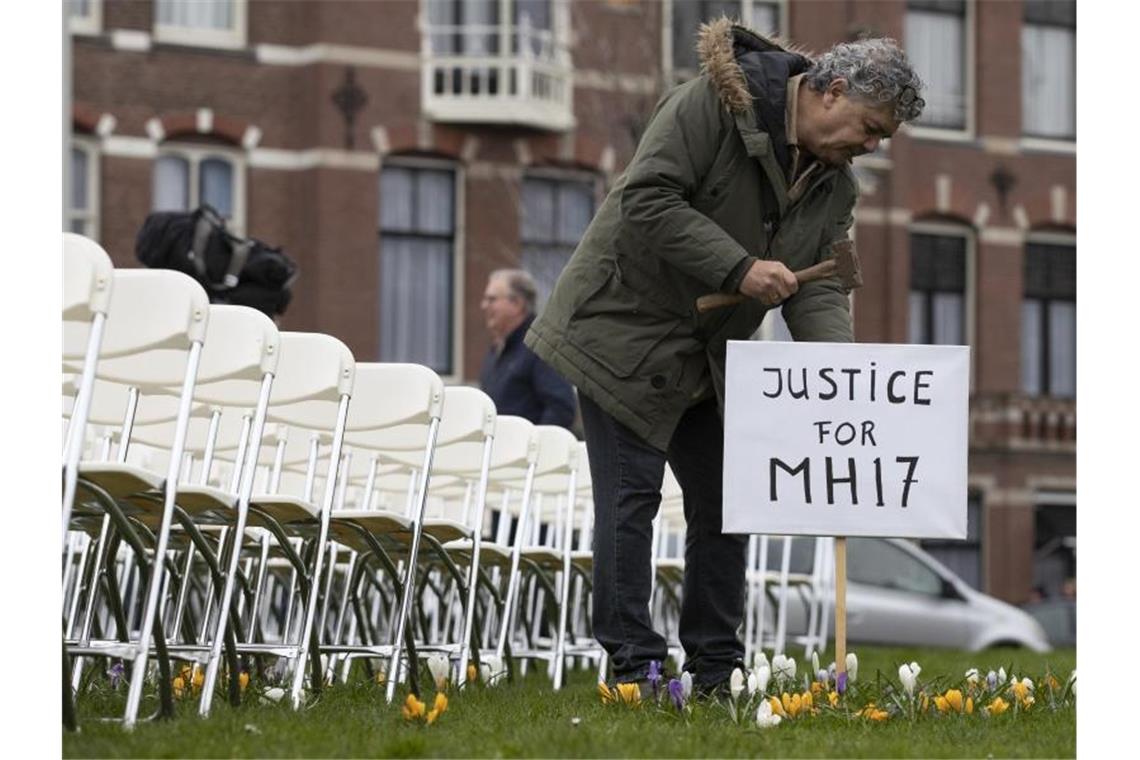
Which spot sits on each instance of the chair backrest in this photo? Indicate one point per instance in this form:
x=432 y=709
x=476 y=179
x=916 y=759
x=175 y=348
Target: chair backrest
x=393 y=403
x=312 y=368
x=88 y=277
x=154 y=309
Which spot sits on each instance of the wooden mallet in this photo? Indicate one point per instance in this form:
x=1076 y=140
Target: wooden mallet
x=843 y=263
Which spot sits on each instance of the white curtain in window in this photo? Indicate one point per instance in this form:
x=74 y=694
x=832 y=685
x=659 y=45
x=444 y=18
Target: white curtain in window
x=171 y=184
x=435 y=201
x=1048 y=81
x=948 y=314
x=396 y=198
x=533 y=20
x=575 y=208
x=935 y=43
x=766 y=17
x=415 y=301
x=537 y=209
x=480 y=19
x=1031 y=346
x=916 y=318
x=545 y=264
x=216 y=185
x=79 y=180
x=1063 y=348
x=79 y=8
x=197 y=14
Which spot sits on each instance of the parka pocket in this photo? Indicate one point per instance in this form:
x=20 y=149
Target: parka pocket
x=618 y=328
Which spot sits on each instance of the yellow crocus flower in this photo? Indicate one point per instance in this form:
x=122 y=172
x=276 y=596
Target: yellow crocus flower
x=630 y=693
x=605 y=693
x=243 y=680
x=969 y=705
x=413 y=708
x=941 y=703
x=833 y=698
x=997 y=706
x=808 y=701
x=472 y=672
x=179 y=686
x=777 y=707
x=440 y=702
x=954 y=699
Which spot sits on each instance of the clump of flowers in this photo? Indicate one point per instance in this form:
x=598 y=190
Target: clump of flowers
x=621 y=693
x=415 y=710
x=951 y=701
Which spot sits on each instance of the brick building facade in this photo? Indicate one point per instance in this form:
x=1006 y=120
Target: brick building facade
x=401 y=150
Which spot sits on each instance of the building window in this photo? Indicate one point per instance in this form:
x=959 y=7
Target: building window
x=186 y=178
x=211 y=23
x=688 y=15
x=83 y=205
x=937 y=289
x=472 y=27
x=1049 y=69
x=84 y=16
x=417 y=266
x=555 y=213
x=936 y=42
x=963 y=557
x=1049 y=321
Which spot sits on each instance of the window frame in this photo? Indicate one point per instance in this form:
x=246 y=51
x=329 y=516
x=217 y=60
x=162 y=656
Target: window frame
x=89 y=146
x=674 y=75
x=970 y=71
x=91 y=23
x=1057 y=239
x=230 y=39
x=195 y=154
x=458 y=258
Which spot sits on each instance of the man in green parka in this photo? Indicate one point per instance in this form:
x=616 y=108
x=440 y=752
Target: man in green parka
x=741 y=178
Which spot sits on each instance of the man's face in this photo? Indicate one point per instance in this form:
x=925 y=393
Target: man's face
x=502 y=312
x=848 y=127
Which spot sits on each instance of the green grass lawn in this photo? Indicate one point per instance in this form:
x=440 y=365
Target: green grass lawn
x=526 y=719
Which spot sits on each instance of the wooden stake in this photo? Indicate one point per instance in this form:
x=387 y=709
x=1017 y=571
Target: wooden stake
x=841 y=609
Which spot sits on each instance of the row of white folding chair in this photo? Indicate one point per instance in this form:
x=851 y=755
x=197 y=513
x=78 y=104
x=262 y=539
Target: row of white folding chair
x=220 y=372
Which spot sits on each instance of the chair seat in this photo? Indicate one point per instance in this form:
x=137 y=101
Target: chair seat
x=120 y=480
x=446 y=530
x=490 y=553
x=197 y=499
x=543 y=556
x=284 y=509
x=377 y=522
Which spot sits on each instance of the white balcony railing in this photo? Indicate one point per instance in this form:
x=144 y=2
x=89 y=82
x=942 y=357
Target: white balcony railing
x=497 y=74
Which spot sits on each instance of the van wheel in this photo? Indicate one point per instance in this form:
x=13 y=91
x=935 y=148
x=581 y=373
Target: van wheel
x=1005 y=645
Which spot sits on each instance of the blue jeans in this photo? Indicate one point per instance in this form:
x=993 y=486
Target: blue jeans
x=627 y=474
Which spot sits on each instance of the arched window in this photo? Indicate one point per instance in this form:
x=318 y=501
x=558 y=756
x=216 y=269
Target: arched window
x=188 y=176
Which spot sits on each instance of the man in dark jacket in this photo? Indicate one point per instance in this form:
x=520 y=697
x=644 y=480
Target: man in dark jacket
x=516 y=380
x=741 y=178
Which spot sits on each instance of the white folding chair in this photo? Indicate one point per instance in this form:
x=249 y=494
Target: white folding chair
x=160 y=318
x=87 y=284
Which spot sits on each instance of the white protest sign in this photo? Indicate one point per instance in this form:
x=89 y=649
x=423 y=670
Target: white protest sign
x=846 y=439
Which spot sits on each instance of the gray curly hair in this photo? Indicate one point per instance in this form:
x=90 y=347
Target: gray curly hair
x=876 y=71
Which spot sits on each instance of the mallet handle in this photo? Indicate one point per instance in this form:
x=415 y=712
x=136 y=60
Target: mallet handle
x=825 y=268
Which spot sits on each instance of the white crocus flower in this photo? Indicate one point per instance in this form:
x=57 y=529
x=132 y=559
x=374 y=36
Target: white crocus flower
x=972 y=676
x=1027 y=682
x=852 y=666
x=759 y=660
x=908 y=675
x=763 y=675
x=1001 y=675
x=736 y=682
x=814 y=662
x=273 y=695
x=764 y=716
x=438 y=665
x=687 y=684
x=490 y=667
x=784 y=668
x=1073 y=682
x=751 y=683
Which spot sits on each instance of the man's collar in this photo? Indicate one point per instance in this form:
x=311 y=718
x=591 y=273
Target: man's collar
x=516 y=335
x=791 y=110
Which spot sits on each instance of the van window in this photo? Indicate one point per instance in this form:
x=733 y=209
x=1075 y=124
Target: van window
x=878 y=563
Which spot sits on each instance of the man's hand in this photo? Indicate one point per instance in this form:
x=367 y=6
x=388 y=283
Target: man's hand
x=769 y=282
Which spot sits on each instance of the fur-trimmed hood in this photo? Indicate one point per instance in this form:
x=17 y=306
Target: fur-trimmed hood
x=721 y=44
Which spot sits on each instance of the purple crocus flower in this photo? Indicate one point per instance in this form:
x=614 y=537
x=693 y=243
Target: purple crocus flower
x=654 y=676
x=991 y=680
x=116 y=675
x=841 y=681
x=677 y=693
